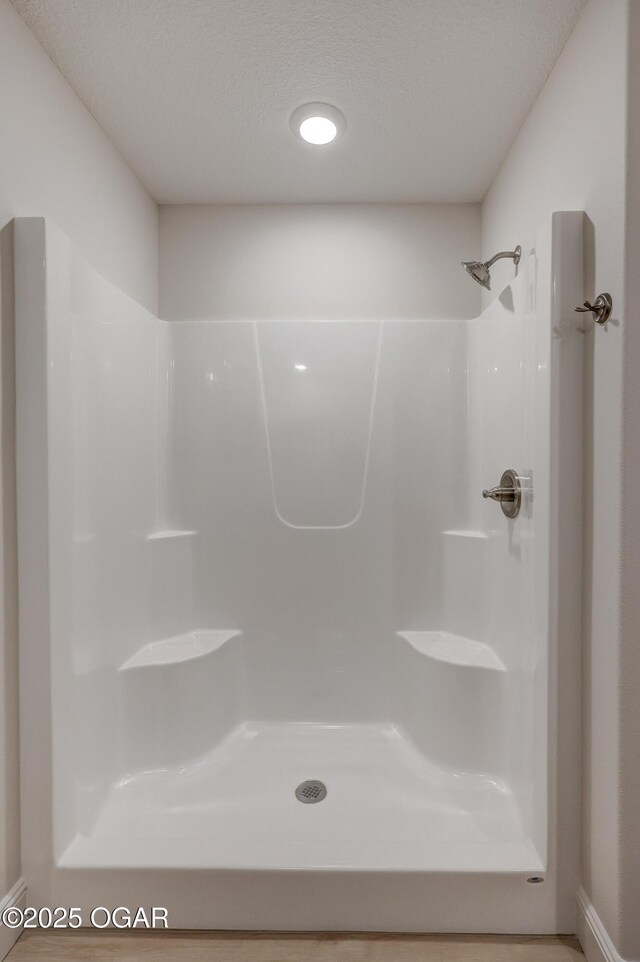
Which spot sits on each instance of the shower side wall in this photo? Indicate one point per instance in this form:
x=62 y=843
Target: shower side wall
x=525 y=389
x=503 y=357
x=100 y=354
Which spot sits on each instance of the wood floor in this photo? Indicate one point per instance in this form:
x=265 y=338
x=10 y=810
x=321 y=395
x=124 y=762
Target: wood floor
x=89 y=946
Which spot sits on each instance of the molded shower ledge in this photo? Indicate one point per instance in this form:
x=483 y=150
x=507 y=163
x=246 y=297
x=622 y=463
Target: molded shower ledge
x=466 y=533
x=178 y=648
x=167 y=533
x=453 y=649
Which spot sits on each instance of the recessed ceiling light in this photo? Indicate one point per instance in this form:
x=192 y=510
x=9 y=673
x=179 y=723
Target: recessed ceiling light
x=318 y=130
x=318 y=124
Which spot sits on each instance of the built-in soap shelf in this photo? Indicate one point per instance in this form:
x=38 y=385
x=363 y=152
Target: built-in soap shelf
x=453 y=649
x=469 y=533
x=179 y=648
x=169 y=533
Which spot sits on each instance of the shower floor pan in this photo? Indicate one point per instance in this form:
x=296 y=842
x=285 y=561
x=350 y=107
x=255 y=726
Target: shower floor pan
x=386 y=808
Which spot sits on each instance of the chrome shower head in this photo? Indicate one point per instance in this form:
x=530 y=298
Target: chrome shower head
x=481 y=271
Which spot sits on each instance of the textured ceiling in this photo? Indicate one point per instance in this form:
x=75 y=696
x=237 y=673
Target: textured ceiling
x=197 y=94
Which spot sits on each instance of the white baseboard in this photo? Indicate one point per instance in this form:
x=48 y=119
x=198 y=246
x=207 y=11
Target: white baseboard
x=16 y=897
x=594 y=938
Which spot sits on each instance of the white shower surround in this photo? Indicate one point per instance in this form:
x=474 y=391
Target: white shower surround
x=252 y=554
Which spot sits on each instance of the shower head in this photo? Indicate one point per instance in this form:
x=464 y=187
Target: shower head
x=481 y=271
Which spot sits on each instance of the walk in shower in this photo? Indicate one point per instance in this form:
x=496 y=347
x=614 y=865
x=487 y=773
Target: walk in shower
x=257 y=555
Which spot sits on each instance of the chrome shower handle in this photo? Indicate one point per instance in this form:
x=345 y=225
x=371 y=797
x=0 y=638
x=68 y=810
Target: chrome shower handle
x=499 y=494
x=508 y=493
x=600 y=309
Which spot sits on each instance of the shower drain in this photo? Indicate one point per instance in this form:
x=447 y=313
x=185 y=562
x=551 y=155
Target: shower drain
x=311 y=792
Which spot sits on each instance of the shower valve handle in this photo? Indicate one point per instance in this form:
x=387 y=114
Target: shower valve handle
x=499 y=494
x=508 y=493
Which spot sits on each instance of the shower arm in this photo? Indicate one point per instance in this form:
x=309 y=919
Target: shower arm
x=512 y=255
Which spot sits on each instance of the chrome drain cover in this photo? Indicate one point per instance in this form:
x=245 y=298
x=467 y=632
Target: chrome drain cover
x=311 y=792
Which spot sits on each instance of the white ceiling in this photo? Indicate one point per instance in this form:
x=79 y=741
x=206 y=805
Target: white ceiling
x=197 y=94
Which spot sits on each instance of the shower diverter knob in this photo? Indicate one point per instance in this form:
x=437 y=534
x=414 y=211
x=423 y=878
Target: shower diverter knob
x=508 y=493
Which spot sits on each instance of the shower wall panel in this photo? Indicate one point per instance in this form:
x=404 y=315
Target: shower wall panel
x=100 y=355
x=318 y=462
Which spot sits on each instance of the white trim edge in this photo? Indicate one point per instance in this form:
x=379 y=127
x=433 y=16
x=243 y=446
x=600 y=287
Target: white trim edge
x=593 y=937
x=15 y=898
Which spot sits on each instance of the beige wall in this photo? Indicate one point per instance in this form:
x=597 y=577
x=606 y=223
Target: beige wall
x=322 y=261
x=571 y=154
x=54 y=162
